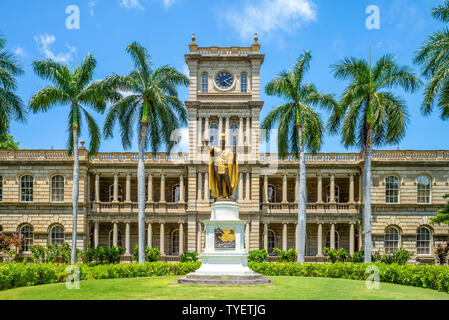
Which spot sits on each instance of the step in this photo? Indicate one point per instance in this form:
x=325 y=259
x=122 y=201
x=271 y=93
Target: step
x=225 y=280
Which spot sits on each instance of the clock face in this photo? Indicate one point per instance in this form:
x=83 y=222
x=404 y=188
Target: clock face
x=224 y=80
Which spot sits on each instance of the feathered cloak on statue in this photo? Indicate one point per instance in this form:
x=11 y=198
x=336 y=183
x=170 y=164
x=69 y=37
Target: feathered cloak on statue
x=222 y=159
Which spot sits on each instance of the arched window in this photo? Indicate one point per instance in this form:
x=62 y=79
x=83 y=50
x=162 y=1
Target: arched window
x=391 y=240
x=175 y=242
x=213 y=130
x=424 y=187
x=234 y=134
x=204 y=83
x=392 y=189
x=27 y=233
x=57 y=235
x=244 y=83
x=111 y=193
x=176 y=193
x=423 y=239
x=57 y=189
x=271 y=241
x=271 y=194
x=111 y=238
x=1 y=188
x=26 y=188
x=337 y=240
x=328 y=194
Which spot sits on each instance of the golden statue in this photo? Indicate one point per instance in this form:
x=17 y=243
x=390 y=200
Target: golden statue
x=223 y=171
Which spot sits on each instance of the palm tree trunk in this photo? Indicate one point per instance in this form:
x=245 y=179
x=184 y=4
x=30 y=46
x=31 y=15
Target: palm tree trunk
x=141 y=192
x=75 y=193
x=367 y=197
x=302 y=200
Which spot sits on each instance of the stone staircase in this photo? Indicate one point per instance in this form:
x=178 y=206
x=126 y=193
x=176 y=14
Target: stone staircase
x=223 y=280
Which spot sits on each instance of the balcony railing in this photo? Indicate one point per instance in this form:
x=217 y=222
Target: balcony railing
x=311 y=208
x=123 y=207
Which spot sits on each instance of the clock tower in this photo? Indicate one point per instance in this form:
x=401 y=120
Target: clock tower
x=224 y=98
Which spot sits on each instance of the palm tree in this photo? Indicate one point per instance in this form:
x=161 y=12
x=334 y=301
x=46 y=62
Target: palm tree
x=300 y=126
x=76 y=90
x=11 y=106
x=434 y=58
x=371 y=115
x=153 y=107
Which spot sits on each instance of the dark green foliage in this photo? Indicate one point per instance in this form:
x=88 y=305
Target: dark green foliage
x=357 y=257
x=400 y=256
x=189 y=257
x=258 y=255
x=335 y=255
x=151 y=254
x=442 y=216
x=286 y=256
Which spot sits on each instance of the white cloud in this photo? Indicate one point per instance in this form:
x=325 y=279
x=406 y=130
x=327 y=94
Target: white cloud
x=131 y=4
x=44 y=42
x=20 y=52
x=168 y=3
x=268 y=16
x=92 y=4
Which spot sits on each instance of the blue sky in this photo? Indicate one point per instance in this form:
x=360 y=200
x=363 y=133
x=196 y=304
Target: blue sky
x=331 y=29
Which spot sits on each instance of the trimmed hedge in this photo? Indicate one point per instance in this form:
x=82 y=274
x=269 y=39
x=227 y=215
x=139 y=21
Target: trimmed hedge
x=424 y=276
x=13 y=275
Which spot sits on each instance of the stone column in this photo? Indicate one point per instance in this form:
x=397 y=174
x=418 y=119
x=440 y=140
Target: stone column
x=296 y=238
x=248 y=186
x=220 y=129
x=265 y=236
x=181 y=238
x=162 y=188
x=150 y=235
x=115 y=193
x=206 y=130
x=115 y=235
x=297 y=188
x=97 y=188
x=240 y=186
x=227 y=132
x=332 y=236
x=150 y=188
x=96 y=234
x=351 y=188
x=320 y=188
x=265 y=188
x=200 y=185
x=360 y=189
x=248 y=131
x=351 y=238
x=240 y=137
x=162 y=238
x=128 y=188
x=284 y=189
x=127 y=239
x=360 y=238
x=247 y=236
x=284 y=236
x=320 y=240
x=198 y=238
x=206 y=186
x=332 y=189
x=199 y=133
x=181 y=189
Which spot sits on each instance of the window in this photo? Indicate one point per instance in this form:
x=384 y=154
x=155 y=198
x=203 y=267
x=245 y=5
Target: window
x=328 y=240
x=175 y=242
x=244 y=83
x=271 y=241
x=1 y=189
x=26 y=188
x=57 y=189
x=175 y=193
x=57 y=235
x=111 y=193
x=213 y=130
x=328 y=194
x=271 y=194
x=391 y=240
x=234 y=134
x=392 y=189
x=423 y=241
x=111 y=238
x=424 y=186
x=27 y=233
x=204 y=83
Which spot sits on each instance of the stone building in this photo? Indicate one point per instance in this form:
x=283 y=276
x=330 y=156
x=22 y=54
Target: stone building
x=224 y=97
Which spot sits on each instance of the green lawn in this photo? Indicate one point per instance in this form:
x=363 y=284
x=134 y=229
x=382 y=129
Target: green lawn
x=287 y=288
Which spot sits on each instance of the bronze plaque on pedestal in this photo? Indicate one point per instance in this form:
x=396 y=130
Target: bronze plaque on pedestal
x=224 y=238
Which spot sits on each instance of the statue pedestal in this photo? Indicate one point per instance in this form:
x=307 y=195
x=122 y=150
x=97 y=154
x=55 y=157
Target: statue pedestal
x=224 y=260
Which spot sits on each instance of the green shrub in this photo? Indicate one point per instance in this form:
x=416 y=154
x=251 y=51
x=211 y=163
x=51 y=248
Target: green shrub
x=286 y=256
x=331 y=254
x=151 y=254
x=189 y=257
x=357 y=257
x=257 y=255
x=400 y=256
